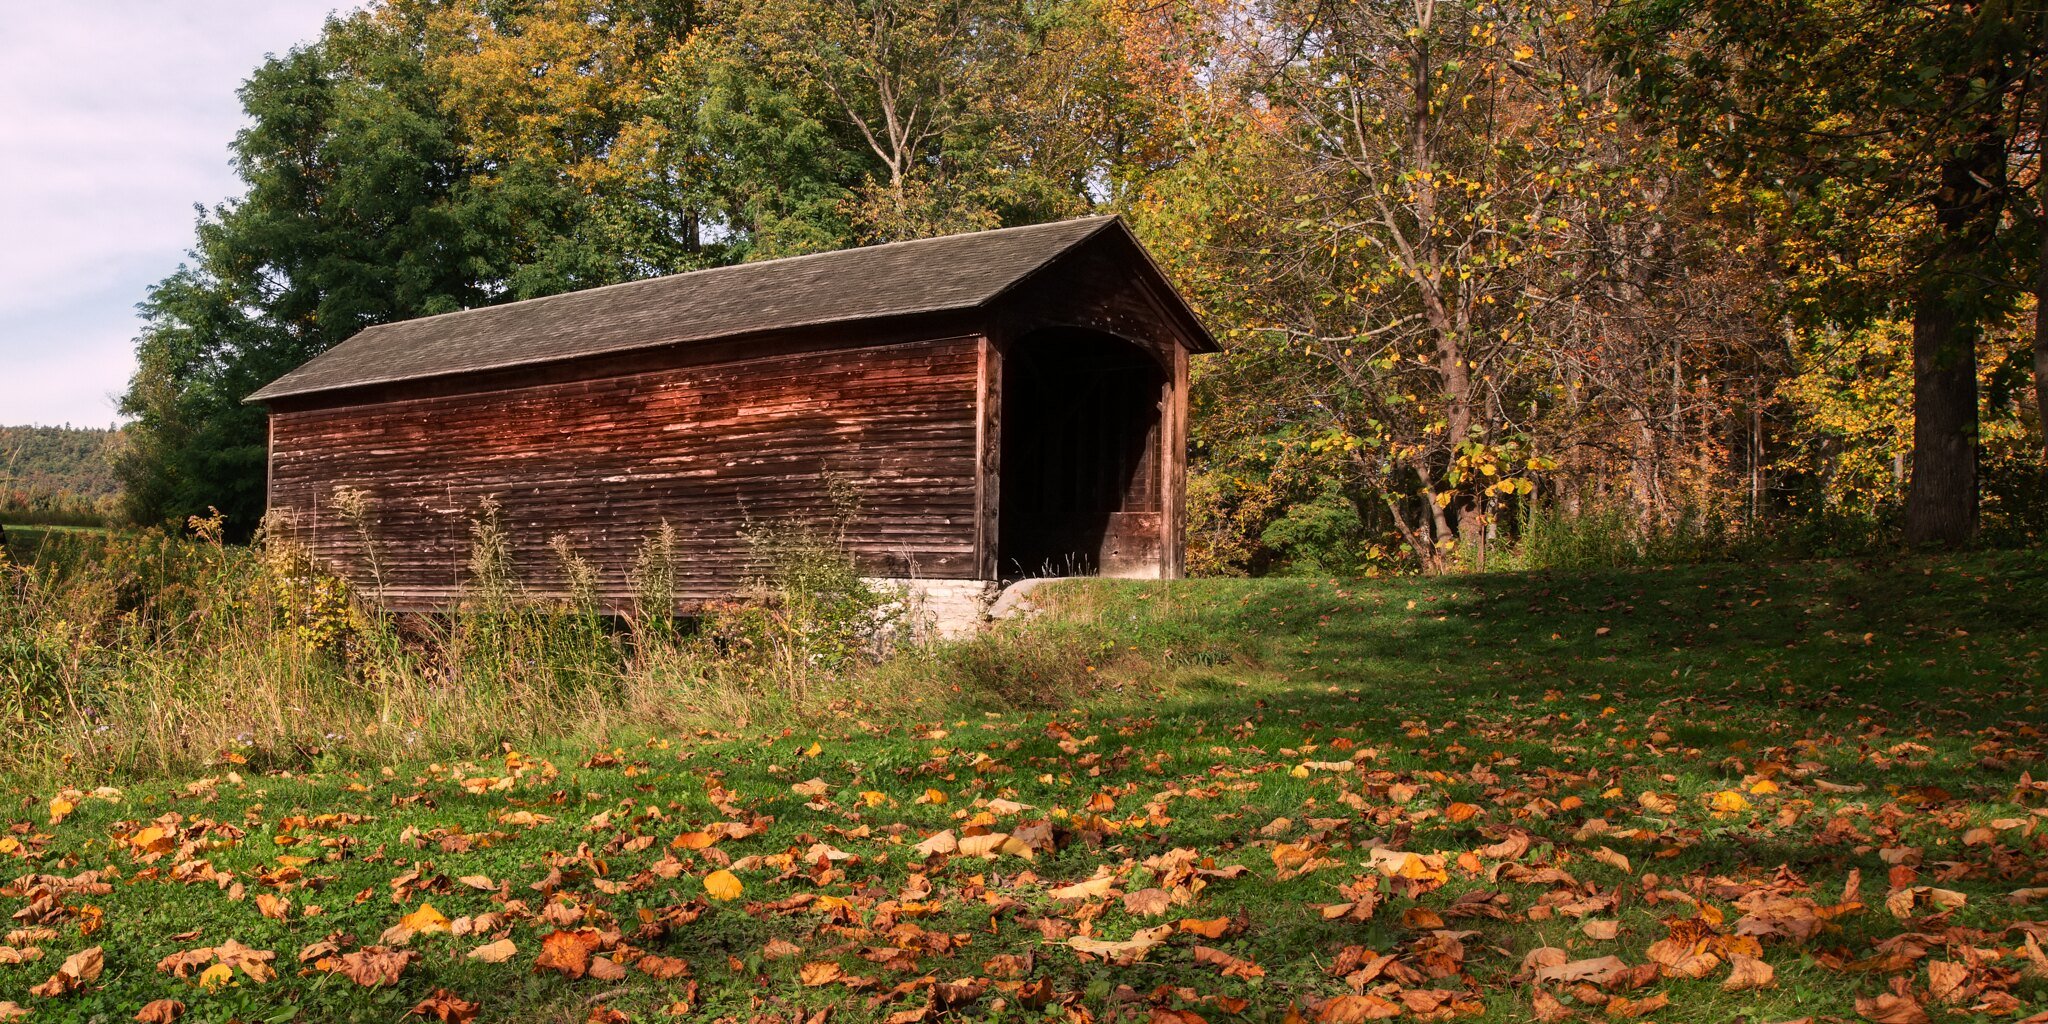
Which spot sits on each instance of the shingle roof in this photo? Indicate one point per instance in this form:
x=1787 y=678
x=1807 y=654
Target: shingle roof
x=926 y=276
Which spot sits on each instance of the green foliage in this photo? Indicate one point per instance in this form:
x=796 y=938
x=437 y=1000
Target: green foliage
x=62 y=475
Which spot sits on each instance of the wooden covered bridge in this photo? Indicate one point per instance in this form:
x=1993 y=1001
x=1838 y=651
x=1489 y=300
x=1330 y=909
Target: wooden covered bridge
x=999 y=405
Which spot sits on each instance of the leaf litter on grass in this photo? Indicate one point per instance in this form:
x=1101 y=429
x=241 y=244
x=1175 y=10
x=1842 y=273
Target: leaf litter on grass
x=1622 y=847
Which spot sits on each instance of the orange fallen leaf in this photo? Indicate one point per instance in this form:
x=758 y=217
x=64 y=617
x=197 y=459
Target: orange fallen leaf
x=446 y=1007
x=160 y=1011
x=568 y=951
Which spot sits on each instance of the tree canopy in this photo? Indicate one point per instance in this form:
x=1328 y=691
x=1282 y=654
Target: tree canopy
x=1707 y=268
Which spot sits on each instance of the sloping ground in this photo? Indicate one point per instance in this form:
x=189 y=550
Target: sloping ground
x=1732 y=792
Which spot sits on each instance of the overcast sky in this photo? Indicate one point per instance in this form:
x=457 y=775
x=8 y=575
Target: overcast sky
x=115 y=118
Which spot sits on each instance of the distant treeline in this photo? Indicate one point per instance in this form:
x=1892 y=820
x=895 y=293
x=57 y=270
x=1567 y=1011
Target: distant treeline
x=58 y=474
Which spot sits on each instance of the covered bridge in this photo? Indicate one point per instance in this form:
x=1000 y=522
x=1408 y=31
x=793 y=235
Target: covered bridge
x=995 y=405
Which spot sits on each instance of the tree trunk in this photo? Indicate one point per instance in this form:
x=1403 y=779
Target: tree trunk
x=1941 y=499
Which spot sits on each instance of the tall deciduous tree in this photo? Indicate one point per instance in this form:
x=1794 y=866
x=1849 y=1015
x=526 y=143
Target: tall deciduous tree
x=364 y=204
x=1876 y=113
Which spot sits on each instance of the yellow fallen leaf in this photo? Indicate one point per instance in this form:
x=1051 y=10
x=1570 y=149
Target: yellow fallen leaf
x=722 y=885
x=216 y=977
x=1729 y=801
x=60 y=809
x=425 y=920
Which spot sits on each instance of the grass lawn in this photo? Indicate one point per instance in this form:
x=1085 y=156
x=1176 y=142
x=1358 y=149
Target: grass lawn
x=1712 y=793
x=25 y=539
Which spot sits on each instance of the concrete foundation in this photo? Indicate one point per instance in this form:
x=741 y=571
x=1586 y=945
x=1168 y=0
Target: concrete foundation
x=941 y=609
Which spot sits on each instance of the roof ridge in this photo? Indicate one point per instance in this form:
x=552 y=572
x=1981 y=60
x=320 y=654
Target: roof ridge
x=782 y=260
x=914 y=276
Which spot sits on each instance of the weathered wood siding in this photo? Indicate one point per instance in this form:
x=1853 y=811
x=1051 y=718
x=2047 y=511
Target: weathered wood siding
x=715 y=450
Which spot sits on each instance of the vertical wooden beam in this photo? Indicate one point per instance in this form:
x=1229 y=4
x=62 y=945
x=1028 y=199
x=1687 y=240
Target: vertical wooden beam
x=988 y=440
x=1173 y=463
x=269 y=461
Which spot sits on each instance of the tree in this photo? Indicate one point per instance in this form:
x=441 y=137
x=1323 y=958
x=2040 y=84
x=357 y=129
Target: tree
x=365 y=203
x=1868 y=113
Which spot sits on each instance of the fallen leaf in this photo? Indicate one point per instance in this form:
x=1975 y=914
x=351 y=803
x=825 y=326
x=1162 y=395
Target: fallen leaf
x=495 y=952
x=722 y=885
x=1748 y=973
x=160 y=1011
x=1891 y=1008
x=447 y=1007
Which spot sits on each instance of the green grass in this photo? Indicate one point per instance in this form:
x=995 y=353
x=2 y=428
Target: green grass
x=24 y=540
x=1896 y=707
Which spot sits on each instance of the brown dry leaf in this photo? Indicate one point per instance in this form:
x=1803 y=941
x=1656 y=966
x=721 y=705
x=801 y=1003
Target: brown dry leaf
x=1350 y=1009
x=1548 y=1008
x=446 y=1007
x=1891 y=1008
x=1601 y=929
x=1417 y=867
x=662 y=968
x=1683 y=959
x=77 y=969
x=1748 y=973
x=942 y=842
x=1231 y=966
x=160 y=1011
x=1624 y=1008
x=1596 y=971
x=11 y=1010
x=820 y=972
x=778 y=949
x=273 y=907
x=1612 y=859
x=568 y=951
x=1148 y=902
x=1903 y=902
x=1208 y=928
x=1093 y=889
x=495 y=952
x=606 y=969
x=478 y=882
x=1133 y=948
x=372 y=966
x=1947 y=981
x=994 y=844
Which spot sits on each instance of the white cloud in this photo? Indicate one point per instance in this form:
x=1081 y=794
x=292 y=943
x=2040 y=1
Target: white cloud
x=115 y=118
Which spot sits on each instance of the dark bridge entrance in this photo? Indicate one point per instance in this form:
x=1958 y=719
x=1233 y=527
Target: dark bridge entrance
x=1080 y=460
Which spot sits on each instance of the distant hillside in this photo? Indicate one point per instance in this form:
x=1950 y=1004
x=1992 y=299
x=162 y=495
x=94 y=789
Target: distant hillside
x=57 y=474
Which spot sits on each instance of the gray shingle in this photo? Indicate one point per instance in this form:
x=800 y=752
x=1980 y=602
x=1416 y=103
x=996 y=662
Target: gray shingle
x=925 y=276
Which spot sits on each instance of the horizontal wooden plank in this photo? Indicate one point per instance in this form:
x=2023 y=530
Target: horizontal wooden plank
x=881 y=437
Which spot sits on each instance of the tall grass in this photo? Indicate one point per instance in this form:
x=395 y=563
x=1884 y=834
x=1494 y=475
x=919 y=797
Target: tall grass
x=1609 y=535
x=147 y=653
